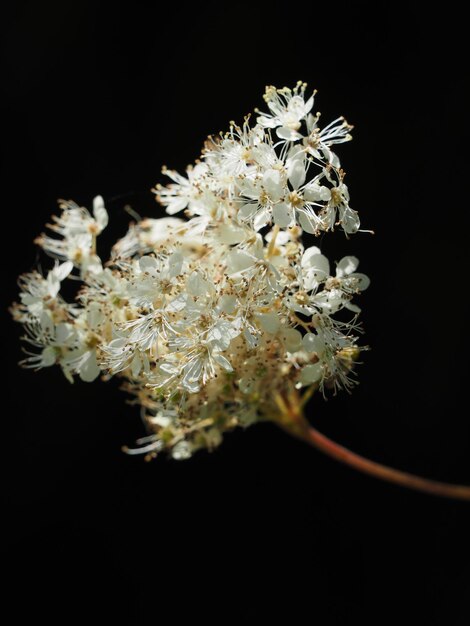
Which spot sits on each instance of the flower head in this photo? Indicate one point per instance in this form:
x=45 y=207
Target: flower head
x=212 y=319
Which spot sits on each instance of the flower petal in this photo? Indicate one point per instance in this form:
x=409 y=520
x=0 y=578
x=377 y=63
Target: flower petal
x=148 y=264
x=282 y=214
x=292 y=339
x=99 y=212
x=311 y=373
x=269 y=322
x=307 y=222
x=237 y=261
x=89 y=369
x=347 y=265
x=363 y=281
x=313 y=343
x=272 y=184
x=315 y=262
x=288 y=134
x=223 y=362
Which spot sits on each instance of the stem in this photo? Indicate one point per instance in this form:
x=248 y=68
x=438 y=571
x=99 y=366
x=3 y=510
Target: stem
x=272 y=243
x=290 y=418
x=338 y=452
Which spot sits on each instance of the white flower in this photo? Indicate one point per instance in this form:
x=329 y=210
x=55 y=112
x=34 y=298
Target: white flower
x=260 y=197
x=53 y=340
x=39 y=294
x=234 y=154
x=78 y=231
x=147 y=236
x=287 y=109
x=346 y=271
x=345 y=285
x=315 y=268
x=339 y=204
x=82 y=361
x=183 y=192
x=191 y=364
x=319 y=140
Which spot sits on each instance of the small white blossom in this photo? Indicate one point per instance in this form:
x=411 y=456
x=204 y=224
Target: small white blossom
x=77 y=231
x=318 y=141
x=287 y=110
x=184 y=192
x=39 y=294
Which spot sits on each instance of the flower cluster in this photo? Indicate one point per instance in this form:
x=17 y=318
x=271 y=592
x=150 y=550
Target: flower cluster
x=210 y=319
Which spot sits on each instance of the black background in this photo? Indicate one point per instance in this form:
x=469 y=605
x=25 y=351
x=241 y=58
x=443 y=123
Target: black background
x=95 y=97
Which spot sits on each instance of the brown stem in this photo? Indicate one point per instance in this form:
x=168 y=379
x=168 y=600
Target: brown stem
x=290 y=417
x=334 y=450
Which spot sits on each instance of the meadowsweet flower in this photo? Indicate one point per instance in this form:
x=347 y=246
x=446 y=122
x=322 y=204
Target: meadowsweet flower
x=319 y=140
x=77 y=231
x=214 y=316
x=287 y=110
x=39 y=294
